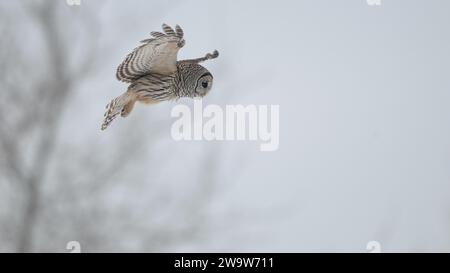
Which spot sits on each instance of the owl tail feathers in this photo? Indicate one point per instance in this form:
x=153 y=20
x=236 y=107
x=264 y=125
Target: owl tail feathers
x=122 y=105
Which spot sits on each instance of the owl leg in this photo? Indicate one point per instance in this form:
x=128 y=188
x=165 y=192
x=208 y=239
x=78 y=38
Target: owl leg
x=148 y=100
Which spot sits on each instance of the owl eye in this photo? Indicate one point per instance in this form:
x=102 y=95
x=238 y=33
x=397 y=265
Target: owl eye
x=205 y=84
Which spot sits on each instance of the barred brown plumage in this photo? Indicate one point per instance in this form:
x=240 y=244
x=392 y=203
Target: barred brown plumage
x=155 y=74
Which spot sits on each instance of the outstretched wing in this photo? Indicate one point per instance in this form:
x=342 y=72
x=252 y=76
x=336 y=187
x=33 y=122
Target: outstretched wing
x=156 y=55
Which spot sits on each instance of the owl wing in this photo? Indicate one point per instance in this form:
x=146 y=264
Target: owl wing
x=156 y=55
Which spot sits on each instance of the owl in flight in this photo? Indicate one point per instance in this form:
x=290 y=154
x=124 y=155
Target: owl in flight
x=155 y=75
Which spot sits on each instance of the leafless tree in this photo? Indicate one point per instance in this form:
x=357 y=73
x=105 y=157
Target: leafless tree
x=56 y=192
x=34 y=95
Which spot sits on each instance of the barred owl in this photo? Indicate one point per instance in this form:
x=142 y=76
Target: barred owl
x=155 y=75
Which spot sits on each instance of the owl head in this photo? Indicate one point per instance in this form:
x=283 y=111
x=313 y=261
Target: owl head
x=197 y=80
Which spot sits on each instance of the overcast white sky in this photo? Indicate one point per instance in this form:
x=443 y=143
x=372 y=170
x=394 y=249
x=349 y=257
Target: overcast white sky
x=364 y=130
